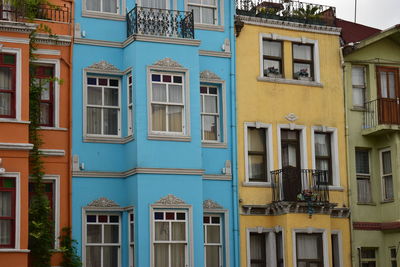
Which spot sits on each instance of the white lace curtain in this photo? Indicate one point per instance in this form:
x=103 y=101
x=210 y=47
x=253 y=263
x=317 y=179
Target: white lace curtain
x=308 y=246
x=102 y=5
x=5 y=84
x=161 y=4
x=5 y=211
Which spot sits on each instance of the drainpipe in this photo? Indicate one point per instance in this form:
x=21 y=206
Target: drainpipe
x=236 y=239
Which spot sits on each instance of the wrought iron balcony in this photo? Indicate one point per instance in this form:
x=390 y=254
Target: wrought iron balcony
x=160 y=22
x=9 y=12
x=288 y=10
x=300 y=185
x=381 y=115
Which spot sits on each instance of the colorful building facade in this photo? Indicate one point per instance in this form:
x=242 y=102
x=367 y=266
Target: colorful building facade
x=52 y=59
x=371 y=74
x=292 y=178
x=153 y=131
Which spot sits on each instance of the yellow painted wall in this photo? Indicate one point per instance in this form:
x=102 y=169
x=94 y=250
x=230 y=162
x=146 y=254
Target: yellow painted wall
x=269 y=102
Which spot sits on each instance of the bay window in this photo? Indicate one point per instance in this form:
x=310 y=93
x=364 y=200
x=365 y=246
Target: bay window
x=204 y=11
x=266 y=248
x=103 y=106
x=210 y=113
x=130 y=105
x=7 y=212
x=363 y=175
x=387 y=175
x=309 y=250
x=7 y=85
x=368 y=257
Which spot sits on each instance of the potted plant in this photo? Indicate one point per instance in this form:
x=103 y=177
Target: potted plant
x=272 y=72
x=302 y=75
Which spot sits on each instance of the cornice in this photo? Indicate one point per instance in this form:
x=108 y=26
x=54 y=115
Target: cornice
x=15 y=146
x=170 y=200
x=61 y=40
x=211 y=53
x=19 y=27
x=125 y=174
x=102 y=203
x=52 y=152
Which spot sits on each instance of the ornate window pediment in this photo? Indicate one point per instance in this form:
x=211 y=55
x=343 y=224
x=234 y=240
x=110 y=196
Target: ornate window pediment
x=168 y=63
x=210 y=204
x=170 y=200
x=102 y=203
x=209 y=75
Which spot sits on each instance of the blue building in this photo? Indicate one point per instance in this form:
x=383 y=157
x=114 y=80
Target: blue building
x=153 y=143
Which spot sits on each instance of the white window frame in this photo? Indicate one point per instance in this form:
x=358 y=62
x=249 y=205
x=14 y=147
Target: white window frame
x=18 y=80
x=268 y=152
x=364 y=175
x=369 y=259
x=271 y=246
x=302 y=139
x=17 y=177
x=130 y=107
x=55 y=63
x=167 y=5
x=310 y=230
x=364 y=87
x=101 y=211
x=131 y=242
x=201 y=6
x=381 y=151
x=170 y=136
x=85 y=105
x=119 y=15
x=189 y=228
x=338 y=233
x=300 y=40
x=334 y=153
x=216 y=114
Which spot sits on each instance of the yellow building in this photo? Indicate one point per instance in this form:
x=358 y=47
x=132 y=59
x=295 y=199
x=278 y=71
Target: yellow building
x=291 y=137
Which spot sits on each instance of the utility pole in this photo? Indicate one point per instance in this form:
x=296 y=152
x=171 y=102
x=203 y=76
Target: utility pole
x=355 y=11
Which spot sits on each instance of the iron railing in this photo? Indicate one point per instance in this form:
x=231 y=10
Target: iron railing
x=381 y=111
x=289 y=10
x=9 y=12
x=160 y=22
x=294 y=184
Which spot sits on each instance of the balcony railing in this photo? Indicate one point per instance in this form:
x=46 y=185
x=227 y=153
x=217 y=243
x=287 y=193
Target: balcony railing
x=160 y=22
x=288 y=10
x=9 y=12
x=382 y=111
x=294 y=184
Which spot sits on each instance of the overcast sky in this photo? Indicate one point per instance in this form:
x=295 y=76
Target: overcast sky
x=380 y=14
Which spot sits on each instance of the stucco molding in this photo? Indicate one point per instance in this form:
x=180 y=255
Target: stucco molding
x=19 y=27
x=167 y=63
x=52 y=152
x=209 y=75
x=16 y=146
x=170 y=200
x=108 y=140
x=210 y=205
x=103 y=66
x=128 y=173
x=291 y=117
x=60 y=40
x=219 y=177
x=210 y=53
x=103 y=202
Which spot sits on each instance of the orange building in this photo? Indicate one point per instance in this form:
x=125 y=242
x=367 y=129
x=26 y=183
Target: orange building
x=52 y=57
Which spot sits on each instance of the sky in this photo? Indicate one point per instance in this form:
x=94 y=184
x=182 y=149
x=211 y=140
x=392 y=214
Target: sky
x=381 y=14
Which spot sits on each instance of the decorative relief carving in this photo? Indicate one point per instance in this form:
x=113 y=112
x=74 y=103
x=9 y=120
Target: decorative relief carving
x=104 y=66
x=103 y=203
x=291 y=117
x=170 y=200
x=209 y=75
x=168 y=63
x=209 y=204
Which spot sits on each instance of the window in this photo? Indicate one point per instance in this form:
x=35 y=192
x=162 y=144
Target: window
x=363 y=174
x=272 y=58
x=204 y=11
x=170 y=238
x=387 y=82
x=106 y=6
x=7 y=85
x=303 y=61
x=335 y=250
x=130 y=105
x=103 y=106
x=43 y=78
x=309 y=250
x=257 y=170
x=393 y=257
x=7 y=212
x=131 y=239
x=160 y=4
x=212 y=240
x=210 y=113
x=167 y=103
x=387 y=177
x=359 y=87
x=265 y=249
x=368 y=257
x=323 y=155
x=103 y=240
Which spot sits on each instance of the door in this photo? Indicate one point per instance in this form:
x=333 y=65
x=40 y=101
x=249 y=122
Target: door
x=291 y=177
x=388 y=95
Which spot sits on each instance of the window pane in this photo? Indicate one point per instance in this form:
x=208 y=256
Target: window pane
x=45 y=95
x=302 y=52
x=178 y=255
x=321 y=144
x=386 y=162
x=178 y=231
x=111 y=97
x=210 y=104
x=391 y=85
x=335 y=250
x=159 y=118
x=271 y=48
x=44 y=113
x=110 y=256
x=256 y=139
x=210 y=128
x=209 y=2
x=110 y=6
x=256 y=167
x=208 y=15
x=93 y=233
x=388 y=183
x=94 y=95
x=94 y=120
x=175 y=119
x=362 y=161
x=161 y=231
x=132 y=233
x=93 y=256
x=364 y=191
x=213 y=234
x=368 y=253
x=270 y=65
x=93 y=5
x=5 y=104
x=212 y=256
x=159 y=92
x=175 y=94
x=384 y=85
x=303 y=68
x=308 y=246
x=196 y=13
x=358 y=76
x=161 y=255
x=257 y=249
x=358 y=97
x=5 y=78
x=111 y=233
x=5 y=231
x=110 y=121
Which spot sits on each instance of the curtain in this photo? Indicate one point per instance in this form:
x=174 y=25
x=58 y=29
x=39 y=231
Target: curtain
x=5 y=211
x=364 y=191
x=110 y=256
x=384 y=85
x=175 y=118
x=208 y=15
x=110 y=6
x=289 y=157
x=44 y=113
x=178 y=231
x=161 y=255
x=307 y=246
x=94 y=96
x=392 y=93
x=210 y=127
x=5 y=84
x=256 y=140
x=321 y=144
x=111 y=97
x=111 y=233
x=386 y=162
x=358 y=96
x=161 y=231
x=159 y=117
x=302 y=52
x=271 y=48
x=300 y=66
x=257 y=250
x=388 y=181
x=212 y=256
x=178 y=255
x=357 y=76
x=256 y=167
x=5 y=78
x=213 y=234
x=5 y=104
x=160 y=4
x=93 y=5
x=93 y=120
x=175 y=94
x=93 y=256
x=110 y=116
x=196 y=13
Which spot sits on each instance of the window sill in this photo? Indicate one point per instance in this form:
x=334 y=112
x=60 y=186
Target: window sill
x=335 y=188
x=46 y=128
x=359 y=109
x=213 y=145
x=289 y=81
x=387 y=201
x=209 y=27
x=14 y=121
x=169 y=138
x=100 y=15
x=110 y=140
x=257 y=184
x=14 y=250
x=366 y=203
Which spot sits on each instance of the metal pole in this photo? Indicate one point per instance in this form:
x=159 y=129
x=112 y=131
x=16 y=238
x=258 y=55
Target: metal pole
x=355 y=11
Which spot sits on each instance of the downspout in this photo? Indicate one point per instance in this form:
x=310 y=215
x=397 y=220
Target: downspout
x=236 y=239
